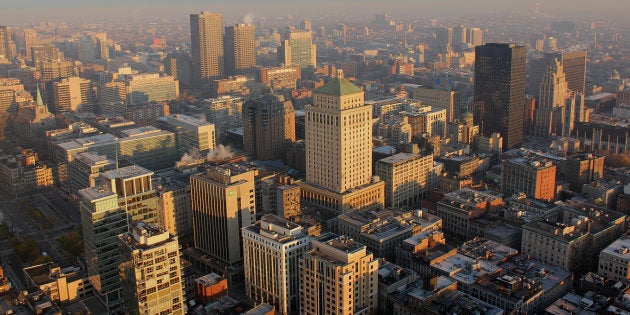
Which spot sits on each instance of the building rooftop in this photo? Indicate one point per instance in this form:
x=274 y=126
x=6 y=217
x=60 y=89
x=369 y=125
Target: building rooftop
x=338 y=87
x=88 y=141
x=619 y=248
x=127 y=172
x=260 y=309
x=277 y=229
x=142 y=132
x=189 y=120
x=400 y=157
x=95 y=193
x=209 y=279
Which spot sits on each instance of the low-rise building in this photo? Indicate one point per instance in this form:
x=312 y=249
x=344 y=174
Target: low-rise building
x=614 y=260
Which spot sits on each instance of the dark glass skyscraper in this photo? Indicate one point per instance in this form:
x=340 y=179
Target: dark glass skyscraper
x=500 y=89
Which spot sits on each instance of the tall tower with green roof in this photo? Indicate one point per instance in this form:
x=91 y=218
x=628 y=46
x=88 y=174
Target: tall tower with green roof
x=339 y=147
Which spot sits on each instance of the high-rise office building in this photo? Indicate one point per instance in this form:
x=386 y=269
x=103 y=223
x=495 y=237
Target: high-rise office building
x=338 y=276
x=475 y=36
x=136 y=196
x=225 y=112
x=297 y=49
x=444 y=39
x=5 y=43
x=150 y=271
x=240 y=50
x=223 y=201
x=206 y=36
x=268 y=126
x=102 y=50
x=500 y=87
x=574 y=67
x=407 y=178
x=30 y=40
x=73 y=94
x=271 y=249
x=550 y=112
x=179 y=66
x=102 y=220
x=460 y=35
x=339 y=149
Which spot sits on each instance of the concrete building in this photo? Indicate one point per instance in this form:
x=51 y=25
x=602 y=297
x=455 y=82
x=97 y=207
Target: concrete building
x=345 y=275
x=268 y=126
x=240 y=50
x=143 y=88
x=383 y=231
x=73 y=94
x=136 y=196
x=614 y=260
x=225 y=112
x=223 y=202
x=438 y=98
x=280 y=78
x=24 y=173
x=179 y=65
x=190 y=133
x=85 y=169
x=407 y=178
x=575 y=240
x=460 y=207
x=234 y=85
x=206 y=37
x=59 y=286
x=297 y=50
x=531 y=175
x=582 y=169
x=148 y=147
x=146 y=114
x=102 y=220
x=339 y=149
x=150 y=271
x=175 y=210
x=271 y=249
x=280 y=195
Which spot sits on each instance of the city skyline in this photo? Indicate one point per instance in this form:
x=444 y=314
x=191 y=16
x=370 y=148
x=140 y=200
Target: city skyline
x=238 y=9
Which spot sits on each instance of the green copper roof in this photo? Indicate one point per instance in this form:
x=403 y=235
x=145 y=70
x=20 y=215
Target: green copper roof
x=39 y=97
x=339 y=86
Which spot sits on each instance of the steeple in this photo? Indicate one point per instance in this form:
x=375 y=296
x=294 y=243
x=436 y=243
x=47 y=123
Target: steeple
x=39 y=100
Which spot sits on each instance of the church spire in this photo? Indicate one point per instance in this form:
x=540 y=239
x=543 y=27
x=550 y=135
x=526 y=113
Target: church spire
x=40 y=102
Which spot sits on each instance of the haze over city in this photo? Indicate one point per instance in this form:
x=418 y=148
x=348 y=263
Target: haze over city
x=315 y=157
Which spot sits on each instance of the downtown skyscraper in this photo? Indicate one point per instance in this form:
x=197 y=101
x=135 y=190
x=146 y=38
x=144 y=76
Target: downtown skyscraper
x=206 y=38
x=500 y=90
x=297 y=49
x=240 y=50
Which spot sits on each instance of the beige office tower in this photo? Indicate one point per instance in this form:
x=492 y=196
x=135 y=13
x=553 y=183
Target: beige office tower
x=551 y=110
x=5 y=44
x=223 y=201
x=338 y=276
x=30 y=40
x=271 y=249
x=297 y=50
x=150 y=271
x=475 y=36
x=73 y=94
x=206 y=37
x=240 y=50
x=339 y=150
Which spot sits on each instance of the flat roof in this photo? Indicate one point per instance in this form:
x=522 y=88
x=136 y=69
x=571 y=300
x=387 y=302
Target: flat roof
x=400 y=157
x=127 y=172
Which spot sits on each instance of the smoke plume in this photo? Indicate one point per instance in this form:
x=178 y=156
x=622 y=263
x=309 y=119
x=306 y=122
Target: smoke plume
x=191 y=156
x=249 y=18
x=221 y=153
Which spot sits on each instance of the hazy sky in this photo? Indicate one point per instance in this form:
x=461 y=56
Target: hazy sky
x=19 y=11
